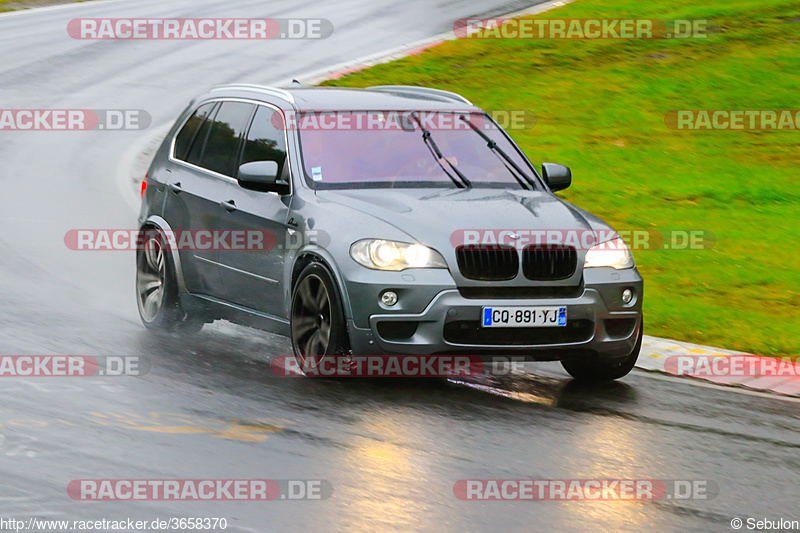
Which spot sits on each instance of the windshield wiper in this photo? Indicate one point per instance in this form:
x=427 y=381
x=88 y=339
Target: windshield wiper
x=437 y=154
x=507 y=160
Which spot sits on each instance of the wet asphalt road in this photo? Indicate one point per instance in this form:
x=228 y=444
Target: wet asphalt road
x=212 y=408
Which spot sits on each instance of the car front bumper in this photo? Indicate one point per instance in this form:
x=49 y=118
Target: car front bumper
x=598 y=323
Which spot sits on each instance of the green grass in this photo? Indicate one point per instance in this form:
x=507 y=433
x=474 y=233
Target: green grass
x=601 y=107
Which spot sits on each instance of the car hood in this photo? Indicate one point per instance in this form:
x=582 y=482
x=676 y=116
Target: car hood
x=437 y=217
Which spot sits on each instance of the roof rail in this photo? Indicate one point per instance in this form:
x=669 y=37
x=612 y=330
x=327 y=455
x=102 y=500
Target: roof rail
x=286 y=95
x=420 y=91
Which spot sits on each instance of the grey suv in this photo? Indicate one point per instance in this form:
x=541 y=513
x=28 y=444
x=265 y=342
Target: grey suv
x=388 y=220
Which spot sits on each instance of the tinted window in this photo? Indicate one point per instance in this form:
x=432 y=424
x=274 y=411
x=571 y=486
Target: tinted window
x=189 y=131
x=266 y=140
x=199 y=142
x=222 y=147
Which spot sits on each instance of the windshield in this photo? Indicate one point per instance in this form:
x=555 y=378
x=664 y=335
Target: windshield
x=382 y=149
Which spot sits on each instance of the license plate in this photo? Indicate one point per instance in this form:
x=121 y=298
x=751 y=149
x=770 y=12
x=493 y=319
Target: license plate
x=524 y=317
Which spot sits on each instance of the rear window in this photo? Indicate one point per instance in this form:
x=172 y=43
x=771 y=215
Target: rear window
x=183 y=141
x=224 y=138
x=200 y=138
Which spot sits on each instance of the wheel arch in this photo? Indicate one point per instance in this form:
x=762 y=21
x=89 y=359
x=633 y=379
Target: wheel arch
x=157 y=222
x=320 y=255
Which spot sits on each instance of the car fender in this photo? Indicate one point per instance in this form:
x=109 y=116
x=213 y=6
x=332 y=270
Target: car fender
x=328 y=260
x=163 y=225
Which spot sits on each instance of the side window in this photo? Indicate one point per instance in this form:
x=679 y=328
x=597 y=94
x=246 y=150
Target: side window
x=199 y=142
x=189 y=131
x=224 y=137
x=266 y=140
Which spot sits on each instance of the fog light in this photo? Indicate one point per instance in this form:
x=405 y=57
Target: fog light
x=389 y=298
x=627 y=296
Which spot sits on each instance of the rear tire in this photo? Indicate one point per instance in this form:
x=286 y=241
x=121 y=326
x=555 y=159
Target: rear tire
x=318 y=324
x=157 y=287
x=596 y=370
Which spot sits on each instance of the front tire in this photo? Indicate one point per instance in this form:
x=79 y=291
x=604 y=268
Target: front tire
x=157 y=287
x=317 y=317
x=596 y=370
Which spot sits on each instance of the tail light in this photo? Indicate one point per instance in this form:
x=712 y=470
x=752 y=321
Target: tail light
x=144 y=185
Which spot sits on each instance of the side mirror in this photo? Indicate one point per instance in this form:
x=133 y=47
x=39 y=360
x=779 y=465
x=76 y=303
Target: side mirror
x=261 y=176
x=557 y=177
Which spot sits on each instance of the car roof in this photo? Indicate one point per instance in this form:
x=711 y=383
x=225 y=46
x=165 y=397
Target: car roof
x=382 y=98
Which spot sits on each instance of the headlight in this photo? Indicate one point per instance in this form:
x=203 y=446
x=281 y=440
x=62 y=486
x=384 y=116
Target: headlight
x=390 y=255
x=614 y=253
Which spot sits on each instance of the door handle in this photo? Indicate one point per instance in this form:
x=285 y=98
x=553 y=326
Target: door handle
x=175 y=187
x=229 y=206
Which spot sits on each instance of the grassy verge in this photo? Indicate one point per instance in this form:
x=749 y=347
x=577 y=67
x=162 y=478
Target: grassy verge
x=601 y=108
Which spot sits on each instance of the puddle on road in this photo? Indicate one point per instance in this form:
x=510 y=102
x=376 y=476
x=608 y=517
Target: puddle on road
x=535 y=385
x=168 y=423
x=529 y=388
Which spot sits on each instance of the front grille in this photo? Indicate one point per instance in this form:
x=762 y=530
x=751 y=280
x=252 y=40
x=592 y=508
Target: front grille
x=527 y=293
x=471 y=332
x=488 y=262
x=549 y=262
